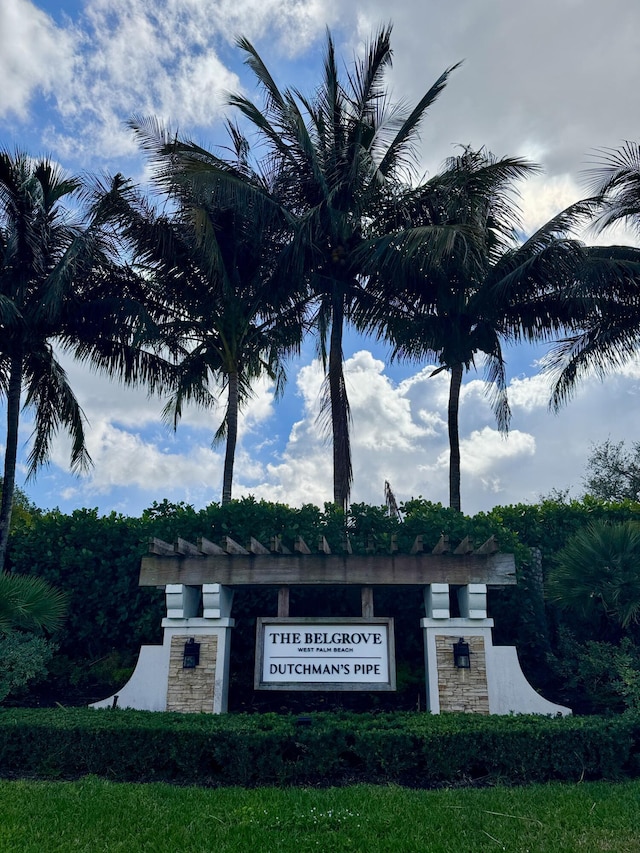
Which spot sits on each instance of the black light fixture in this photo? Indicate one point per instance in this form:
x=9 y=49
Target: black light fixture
x=461 y=654
x=191 y=656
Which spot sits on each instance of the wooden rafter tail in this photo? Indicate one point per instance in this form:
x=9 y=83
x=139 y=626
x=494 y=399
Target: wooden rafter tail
x=393 y=546
x=442 y=545
x=256 y=547
x=232 y=547
x=323 y=545
x=300 y=546
x=465 y=547
x=488 y=547
x=160 y=547
x=323 y=569
x=181 y=546
x=277 y=547
x=418 y=545
x=205 y=546
x=346 y=544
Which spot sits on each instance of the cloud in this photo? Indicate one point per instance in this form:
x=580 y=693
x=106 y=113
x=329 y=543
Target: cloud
x=118 y=58
x=34 y=56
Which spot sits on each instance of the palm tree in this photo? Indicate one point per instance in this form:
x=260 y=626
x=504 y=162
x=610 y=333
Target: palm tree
x=336 y=161
x=460 y=282
x=30 y=603
x=211 y=260
x=596 y=574
x=611 y=332
x=60 y=287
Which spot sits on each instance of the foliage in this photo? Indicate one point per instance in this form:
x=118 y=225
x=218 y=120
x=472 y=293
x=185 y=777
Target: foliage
x=462 y=282
x=60 y=283
x=610 y=331
x=210 y=261
x=338 y=162
x=30 y=603
x=96 y=560
x=613 y=473
x=23 y=511
x=24 y=658
x=269 y=749
x=597 y=574
x=598 y=677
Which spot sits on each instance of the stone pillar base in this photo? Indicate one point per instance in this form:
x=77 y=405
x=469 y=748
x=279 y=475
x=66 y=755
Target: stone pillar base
x=159 y=682
x=494 y=684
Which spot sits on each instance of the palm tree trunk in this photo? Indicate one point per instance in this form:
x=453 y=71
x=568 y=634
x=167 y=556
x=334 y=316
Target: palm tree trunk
x=454 y=437
x=342 y=471
x=232 y=437
x=10 y=453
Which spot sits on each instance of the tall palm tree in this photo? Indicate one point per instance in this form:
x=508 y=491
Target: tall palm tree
x=461 y=282
x=61 y=287
x=211 y=259
x=337 y=159
x=610 y=335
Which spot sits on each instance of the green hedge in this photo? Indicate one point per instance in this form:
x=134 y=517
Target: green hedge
x=414 y=749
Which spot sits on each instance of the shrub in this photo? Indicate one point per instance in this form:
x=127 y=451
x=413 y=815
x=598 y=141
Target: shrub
x=330 y=749
x=23 y=659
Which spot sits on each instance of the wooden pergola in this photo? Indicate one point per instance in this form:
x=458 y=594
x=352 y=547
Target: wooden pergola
x=231 y=564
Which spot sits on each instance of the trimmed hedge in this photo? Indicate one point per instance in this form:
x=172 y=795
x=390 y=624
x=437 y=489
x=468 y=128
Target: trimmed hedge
x=414 y=749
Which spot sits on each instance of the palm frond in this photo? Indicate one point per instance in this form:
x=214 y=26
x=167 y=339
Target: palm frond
x=30 y=603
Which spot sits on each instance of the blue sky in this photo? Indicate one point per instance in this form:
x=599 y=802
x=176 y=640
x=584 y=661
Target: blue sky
x=550 y=80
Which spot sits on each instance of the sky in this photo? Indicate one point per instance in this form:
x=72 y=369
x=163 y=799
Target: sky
x=552 y=81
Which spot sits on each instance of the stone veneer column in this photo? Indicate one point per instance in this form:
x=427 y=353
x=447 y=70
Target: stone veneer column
x=159 y=681
x=192 y=690
x=462 y=689
x=494 y=684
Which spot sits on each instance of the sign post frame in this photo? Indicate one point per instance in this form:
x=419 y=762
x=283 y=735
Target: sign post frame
x=353 y=670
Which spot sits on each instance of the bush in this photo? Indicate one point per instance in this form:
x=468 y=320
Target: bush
x=328 y=749
x=23 y=658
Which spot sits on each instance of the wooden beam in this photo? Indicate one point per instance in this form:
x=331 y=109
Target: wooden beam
x=207 y=547
x=488 y=547
x=232 y=547
x=159 y=546
x=442 y=545
x=329 y=569
x=181 y=546
x=366 y=597
x=283 y=601
x=257 y=547
x=323 y=545
x=465 y=547
x=418 y=545
x=300 y=546
x=277 y=547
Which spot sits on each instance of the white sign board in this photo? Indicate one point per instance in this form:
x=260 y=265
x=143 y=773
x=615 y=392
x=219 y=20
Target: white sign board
x=325 y=654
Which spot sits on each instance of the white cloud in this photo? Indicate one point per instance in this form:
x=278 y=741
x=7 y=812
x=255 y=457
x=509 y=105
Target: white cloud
x=34 y=55
x=123 y=57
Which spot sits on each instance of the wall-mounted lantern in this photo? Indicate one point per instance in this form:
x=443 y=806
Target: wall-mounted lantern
x=191 y=657
x=461 y=654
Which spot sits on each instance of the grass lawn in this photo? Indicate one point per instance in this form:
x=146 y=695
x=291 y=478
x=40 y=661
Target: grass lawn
x=93 y=815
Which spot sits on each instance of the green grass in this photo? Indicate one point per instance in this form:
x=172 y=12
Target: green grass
x=93 y=815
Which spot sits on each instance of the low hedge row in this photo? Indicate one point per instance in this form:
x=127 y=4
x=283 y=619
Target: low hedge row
x=323 y=749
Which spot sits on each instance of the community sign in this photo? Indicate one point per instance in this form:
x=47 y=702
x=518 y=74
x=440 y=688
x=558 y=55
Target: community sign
x=325 y=654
